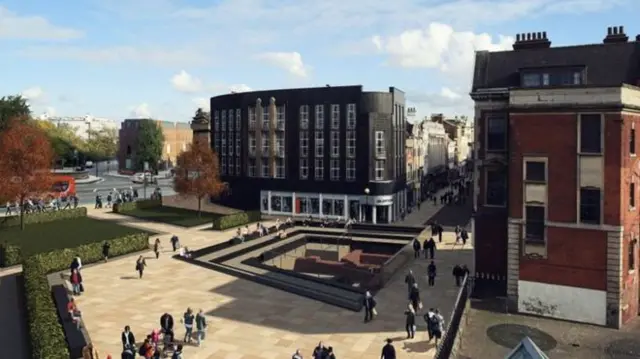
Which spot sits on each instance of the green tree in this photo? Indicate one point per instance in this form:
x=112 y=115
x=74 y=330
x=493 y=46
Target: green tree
x=150 y=144
x=13 y=107
x=101 y=144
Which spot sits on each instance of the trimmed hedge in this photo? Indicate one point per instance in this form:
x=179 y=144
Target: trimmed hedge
x=132 y=206
x=235 y=220
x=45 y=330
x=44 y=217
x=10 y=255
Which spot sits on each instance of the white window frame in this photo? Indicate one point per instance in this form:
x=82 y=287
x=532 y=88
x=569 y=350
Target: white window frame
x=280 y=117
x=216 y=120
x=264 y=164
x=265 y=118
x=280 y=138
x=252 y=117
x=318 y=141
x=223 y=144
x=304 y=143
x=304 y=168
x=351 y=116
x=253 y=144
x=251 y=168
x=351 y=144
x=304 y=117
x=264 y=145
x=379 y=170
x=280 y=168
x=223 y=122
x=223 y=166
x=230 y=143
x=238 y=144
x=318 y=169
x=379 y=141
x=335 y=117
x=335 y=144
x=216 y=142
x=319 y=111
x=350 y=170
x=334 y=170
x=238 y=166
x=238 y=119
x=231 y=120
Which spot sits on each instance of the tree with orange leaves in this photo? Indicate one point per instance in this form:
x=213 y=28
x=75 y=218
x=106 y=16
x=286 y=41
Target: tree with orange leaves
x=197 y=173
x=25 y=163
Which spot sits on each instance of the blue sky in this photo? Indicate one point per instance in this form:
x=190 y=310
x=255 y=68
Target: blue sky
x=164 y=58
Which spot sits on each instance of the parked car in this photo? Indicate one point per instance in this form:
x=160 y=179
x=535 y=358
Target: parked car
x=88 y=164
x=140 y=178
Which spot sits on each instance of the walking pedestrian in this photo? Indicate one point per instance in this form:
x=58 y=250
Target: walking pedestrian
x=388 y=351
x=187 y=320
x=201 y=326
x=105 y=250
x=427 y=319
x=414 y=298
x=464 y=235
x=75 y=282
x=330 y=354
x=458 y=274
x=457 y=230
x=438 y=325
x=416 y=248
x=319 y=352
x=410 y=280
x=175 y=242
x=140 y=264
x=177 y=354
x=369 y=307
x=156 y=248
x=431 y=273
x=410 y=322
x=429 y=248
x=296 y=355
x=128 y=339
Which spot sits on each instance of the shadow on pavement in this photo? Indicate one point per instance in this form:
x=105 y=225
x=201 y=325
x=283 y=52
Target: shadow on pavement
x=14 y=339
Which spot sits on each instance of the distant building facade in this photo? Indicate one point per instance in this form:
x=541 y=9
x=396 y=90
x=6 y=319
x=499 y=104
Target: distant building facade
x=82 y=125
x=177 y=138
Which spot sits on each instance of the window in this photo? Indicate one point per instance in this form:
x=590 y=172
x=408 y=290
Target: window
x=216 y=120
x=496 y=188
x=319 y=143
x=238 y=119
x=335 y=144
x=563 y=77
x=633 y=243
x=632 y=142
x=632 y=195
x=280 y=117
x=231 y=120
x=252 y=117
x=237 y=143
x=304 y=117
x=238 y=167
x=231 y=143
x=264 y=172
x=531 y=80
x=534 y=225
x=265 y=144
x=265 y=118
x=335 y=170
x=380 y=148
x=379 y=170
x=350 y=170
x=319 y=169
x=304 y=168
x=216 y=142
x=304 y=143
x=279 y=167
x=280 y=144
x=590 y=205
x=335 y=117
x=351 y=144
x=224 y=144
x=319 y=117
x=496 y=133
x=591 y=134
x=535 y=171
x=223 y=122
x=351 y=116
x=252 y=144
x=252 y=167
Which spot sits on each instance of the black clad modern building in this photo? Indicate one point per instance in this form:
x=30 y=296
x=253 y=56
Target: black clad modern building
x=335 y=152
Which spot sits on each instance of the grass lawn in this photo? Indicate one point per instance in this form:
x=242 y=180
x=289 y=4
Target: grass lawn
x=69 y=233
x=174 y=216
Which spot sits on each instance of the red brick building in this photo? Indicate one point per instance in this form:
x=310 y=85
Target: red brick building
x=557 y=217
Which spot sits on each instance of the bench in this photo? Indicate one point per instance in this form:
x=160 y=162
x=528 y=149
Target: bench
x=76 y=339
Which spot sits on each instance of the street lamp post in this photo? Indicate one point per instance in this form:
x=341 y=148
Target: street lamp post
x=366 y=193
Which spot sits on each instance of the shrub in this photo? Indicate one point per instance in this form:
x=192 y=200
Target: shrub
x=44 y=217
x=235 y=220
x=46 y=333
x=10 y=255
x=132 y=206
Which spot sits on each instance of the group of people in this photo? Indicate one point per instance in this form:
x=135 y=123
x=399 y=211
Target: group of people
x=116 y=196
x=319 y=352
x=432 y=318
x=40 y=205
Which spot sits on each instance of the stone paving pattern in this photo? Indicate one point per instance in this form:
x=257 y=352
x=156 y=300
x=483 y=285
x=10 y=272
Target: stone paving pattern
x=248 y=320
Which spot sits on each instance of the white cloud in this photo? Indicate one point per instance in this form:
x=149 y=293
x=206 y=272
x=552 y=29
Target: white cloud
x=288 y=61
x=446 y=100
x=141 y=111
x=121 y=54
x=27 y=27
x=438 y=46
x=185 y=82
x=448 y=93
x=202 y=102
x=240 y=88
x=33 y=94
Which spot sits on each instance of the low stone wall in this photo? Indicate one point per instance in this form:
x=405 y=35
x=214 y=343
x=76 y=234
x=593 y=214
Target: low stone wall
x=177 y=201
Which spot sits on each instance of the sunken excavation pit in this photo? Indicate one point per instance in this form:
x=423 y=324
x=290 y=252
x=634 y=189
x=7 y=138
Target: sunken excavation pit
x=335 y=266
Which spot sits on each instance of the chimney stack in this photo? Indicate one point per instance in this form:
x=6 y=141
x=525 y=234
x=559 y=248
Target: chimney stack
x=532 y=40
x=615 y=34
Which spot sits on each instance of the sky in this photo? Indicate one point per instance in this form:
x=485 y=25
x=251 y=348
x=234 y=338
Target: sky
x=122 y=59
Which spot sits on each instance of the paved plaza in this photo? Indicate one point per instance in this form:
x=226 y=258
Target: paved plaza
x=248 y=320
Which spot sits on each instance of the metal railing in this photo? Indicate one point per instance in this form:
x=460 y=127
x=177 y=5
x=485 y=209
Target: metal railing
x=446 y=345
